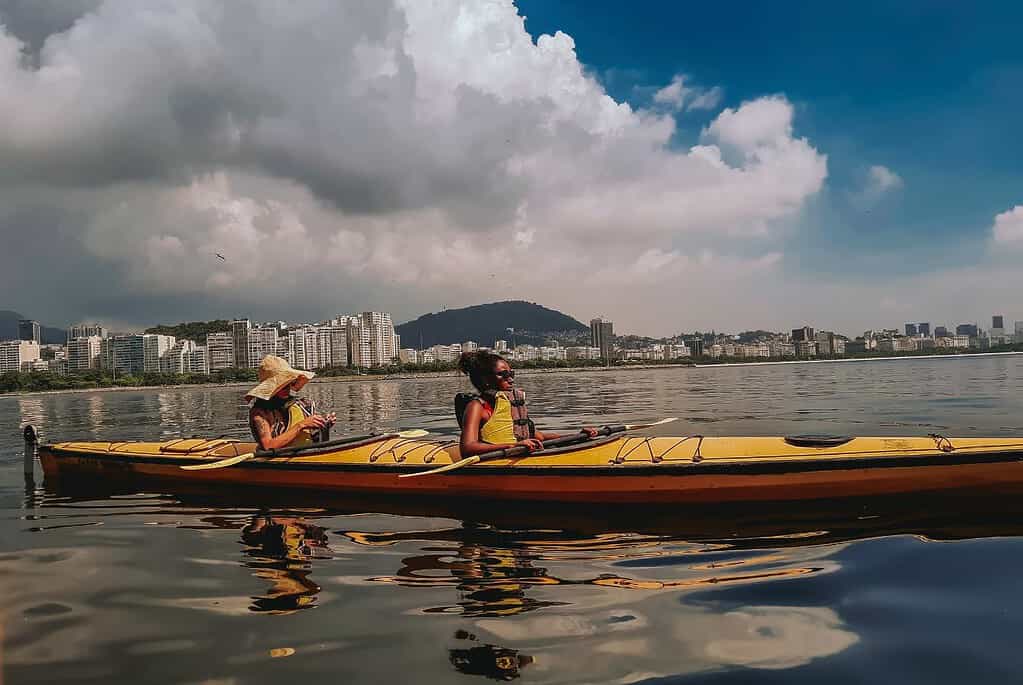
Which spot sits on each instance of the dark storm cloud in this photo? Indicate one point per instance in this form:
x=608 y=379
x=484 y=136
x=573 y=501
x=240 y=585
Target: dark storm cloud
x=33 y=21
x=345 y=154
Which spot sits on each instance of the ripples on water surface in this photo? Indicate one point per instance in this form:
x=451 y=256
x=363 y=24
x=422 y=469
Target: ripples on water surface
x=187 y=589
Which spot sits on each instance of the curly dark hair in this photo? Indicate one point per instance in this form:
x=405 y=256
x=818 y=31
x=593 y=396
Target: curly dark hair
x=478 y=365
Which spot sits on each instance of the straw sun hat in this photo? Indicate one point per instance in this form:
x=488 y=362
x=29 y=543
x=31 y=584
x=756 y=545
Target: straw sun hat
x=274 y=374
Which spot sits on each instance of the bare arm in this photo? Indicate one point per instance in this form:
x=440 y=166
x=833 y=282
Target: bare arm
x=592 y=432
x=265 y=433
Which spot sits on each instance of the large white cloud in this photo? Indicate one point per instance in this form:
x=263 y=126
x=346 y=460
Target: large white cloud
x=371 y=149
x=1008 y=228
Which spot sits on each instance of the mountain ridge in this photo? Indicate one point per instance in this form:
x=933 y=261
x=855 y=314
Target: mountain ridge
x=48 y=335
x=533 y=324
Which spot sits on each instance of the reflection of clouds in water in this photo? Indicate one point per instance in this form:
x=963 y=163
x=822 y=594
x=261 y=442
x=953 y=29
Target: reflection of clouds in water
x=44 y=589
x=777 y=637
x=668 y=640
x=524 y=592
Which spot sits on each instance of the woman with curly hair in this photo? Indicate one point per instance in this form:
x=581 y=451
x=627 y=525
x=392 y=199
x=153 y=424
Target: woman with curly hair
x=496 y=418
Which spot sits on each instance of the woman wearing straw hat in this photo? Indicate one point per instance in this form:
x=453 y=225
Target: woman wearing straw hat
x=277 y=418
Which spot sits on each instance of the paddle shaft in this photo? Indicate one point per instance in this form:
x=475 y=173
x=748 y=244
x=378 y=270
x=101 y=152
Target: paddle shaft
x=315 y=448
x=285 y=451
x=563 y=441
x=521 y=450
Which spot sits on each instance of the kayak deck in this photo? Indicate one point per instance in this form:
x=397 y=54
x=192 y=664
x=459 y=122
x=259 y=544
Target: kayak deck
x=624 y=469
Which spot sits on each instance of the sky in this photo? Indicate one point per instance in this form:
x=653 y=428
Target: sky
x=669 y=166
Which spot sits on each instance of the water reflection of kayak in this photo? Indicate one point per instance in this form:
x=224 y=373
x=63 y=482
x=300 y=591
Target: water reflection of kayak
x=674 y=470
x=937 y=516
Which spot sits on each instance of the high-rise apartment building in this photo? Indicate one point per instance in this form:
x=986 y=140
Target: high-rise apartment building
x=198 y=360
x=829 y=344
x=382 y=340
x=332 y=342
x=28 y=330
x=582 y=353
x=303 y=346
x=911 y=330
x=284 y=346
x=123 y=353
x=261 y=342
x=967 y=329
x=86 y=330
x=240 y=336
x=500 y=346
x=83 y=353
x=220 y=350
x=602 y=336
x=185 y=357
x=805 y=348
x=924 y=329
x=359 y=352
x=804 y=334
x=695 y=346
x=154 y=347
x=940 y=332
x=998 y=322
x=15 y=355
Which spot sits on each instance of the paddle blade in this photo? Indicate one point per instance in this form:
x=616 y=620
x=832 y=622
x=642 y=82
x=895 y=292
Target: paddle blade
x=231 y=461
x=651 y=425
x=447 y=467
x=417 y=433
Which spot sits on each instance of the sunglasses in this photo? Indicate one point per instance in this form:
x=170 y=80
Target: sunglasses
x=504 y=374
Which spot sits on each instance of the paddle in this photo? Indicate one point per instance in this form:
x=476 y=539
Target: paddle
x=518 y=451
x=231 y=461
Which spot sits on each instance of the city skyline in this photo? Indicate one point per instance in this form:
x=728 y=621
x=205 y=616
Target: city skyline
x=933 y=324
x=685 y=177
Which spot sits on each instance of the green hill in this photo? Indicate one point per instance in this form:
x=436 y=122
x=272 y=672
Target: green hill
x=193 y=330
x=485 y=323
x=47 y=334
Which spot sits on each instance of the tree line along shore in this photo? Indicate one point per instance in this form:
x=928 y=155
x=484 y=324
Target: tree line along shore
x=42 y=381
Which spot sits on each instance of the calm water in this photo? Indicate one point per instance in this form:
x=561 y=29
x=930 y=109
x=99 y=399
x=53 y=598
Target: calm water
x=161 y=588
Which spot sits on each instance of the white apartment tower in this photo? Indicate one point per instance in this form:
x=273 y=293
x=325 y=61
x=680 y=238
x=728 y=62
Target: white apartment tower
x=83 y=353
x=155 y=347
x=303 y=348
x=86 y=330
x=16 y=353
x=220 y=350
x=261 y=342
x=359 y=349
x=382 y=339
x=332 y=342
x=185 y=357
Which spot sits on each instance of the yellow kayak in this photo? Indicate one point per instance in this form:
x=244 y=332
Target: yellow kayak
x=686 y=469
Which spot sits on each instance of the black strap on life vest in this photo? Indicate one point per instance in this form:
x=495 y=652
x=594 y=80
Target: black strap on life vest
x=462 y=401
x=524 y=425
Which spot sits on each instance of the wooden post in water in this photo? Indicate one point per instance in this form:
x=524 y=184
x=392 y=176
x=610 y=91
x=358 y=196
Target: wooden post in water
x=31 y=442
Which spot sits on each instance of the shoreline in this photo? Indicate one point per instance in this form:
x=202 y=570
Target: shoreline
x=523 y=372
x=907 y=357
x=361 y=378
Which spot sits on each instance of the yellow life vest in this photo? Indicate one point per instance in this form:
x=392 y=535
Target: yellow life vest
x=295 y=411
x=508 y=422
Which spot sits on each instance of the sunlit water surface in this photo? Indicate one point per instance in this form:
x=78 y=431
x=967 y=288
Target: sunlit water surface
x=162 y=588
